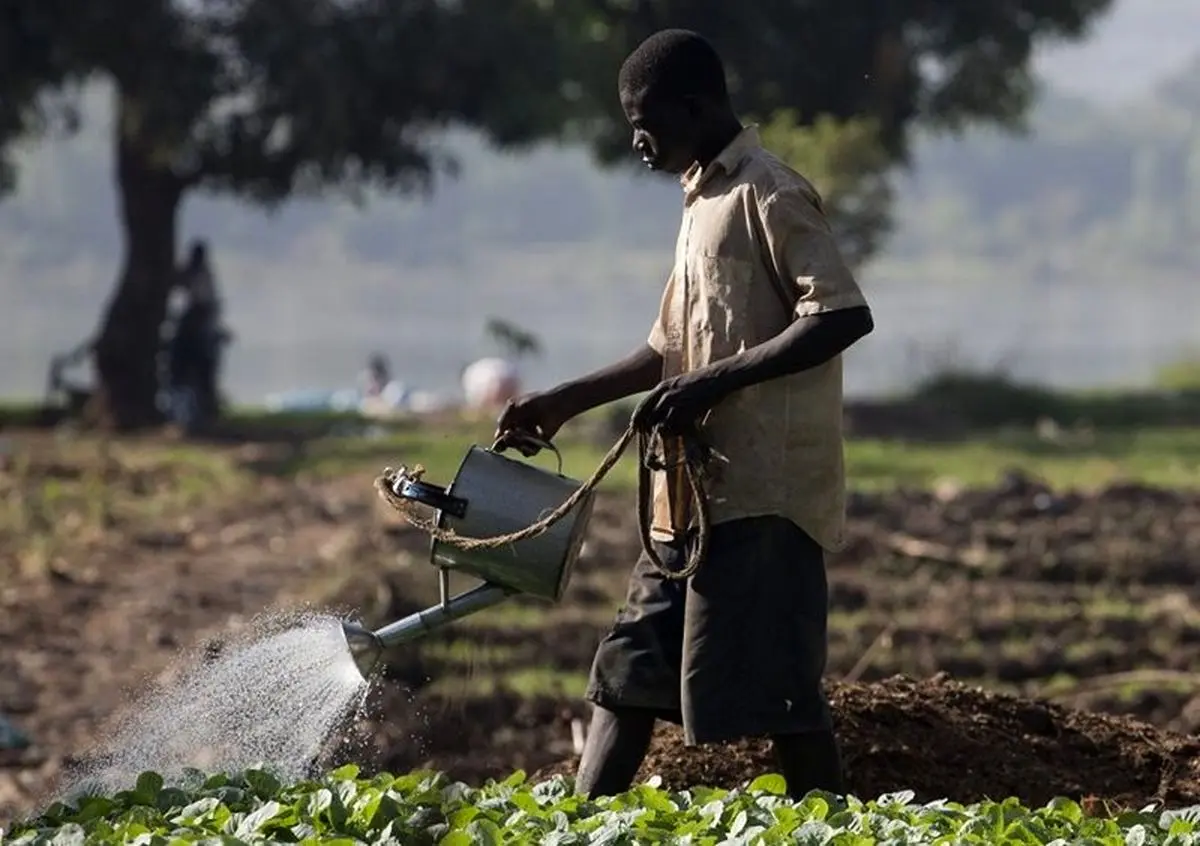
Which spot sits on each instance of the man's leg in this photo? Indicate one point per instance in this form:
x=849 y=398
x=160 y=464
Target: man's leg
x=617 y=742
x=754 y=648
x=809 y=761
x=634 y=679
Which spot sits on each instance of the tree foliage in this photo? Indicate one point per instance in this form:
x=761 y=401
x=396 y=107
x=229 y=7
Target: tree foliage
x=269 y=99
x=835 y=72
x=849 y=166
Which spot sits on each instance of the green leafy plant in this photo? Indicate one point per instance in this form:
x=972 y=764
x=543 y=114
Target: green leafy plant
x=427 y=808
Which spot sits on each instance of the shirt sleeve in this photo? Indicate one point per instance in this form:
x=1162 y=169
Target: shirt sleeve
x=658 y=332
x=806 y=256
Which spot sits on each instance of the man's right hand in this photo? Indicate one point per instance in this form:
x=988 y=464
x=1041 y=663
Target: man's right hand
x=539 y=415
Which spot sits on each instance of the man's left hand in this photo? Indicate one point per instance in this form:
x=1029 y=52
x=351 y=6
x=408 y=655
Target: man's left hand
x=678 y=403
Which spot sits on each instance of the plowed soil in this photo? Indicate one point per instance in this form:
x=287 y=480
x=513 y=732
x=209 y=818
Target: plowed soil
x=1084 y=605
x=943 y=740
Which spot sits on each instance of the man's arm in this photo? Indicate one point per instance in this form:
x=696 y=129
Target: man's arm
x=830 y=313
x=639 y=371
x=808 y=342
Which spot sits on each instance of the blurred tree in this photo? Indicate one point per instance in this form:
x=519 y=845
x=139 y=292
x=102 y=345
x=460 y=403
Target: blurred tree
x=267 y=99
x=511 y=338
x=264 y=99
x=835 y=72
x=32 y=68
x=849 y=165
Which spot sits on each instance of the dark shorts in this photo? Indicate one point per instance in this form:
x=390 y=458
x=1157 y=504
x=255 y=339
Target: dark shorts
x=738 y=650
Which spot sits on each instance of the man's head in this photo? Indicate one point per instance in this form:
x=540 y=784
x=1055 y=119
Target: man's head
x=672 y=89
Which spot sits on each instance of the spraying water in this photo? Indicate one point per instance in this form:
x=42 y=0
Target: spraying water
x=270 y=701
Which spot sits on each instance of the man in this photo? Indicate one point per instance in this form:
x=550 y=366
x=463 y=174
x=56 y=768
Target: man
x=747 y=348
x=199 y=336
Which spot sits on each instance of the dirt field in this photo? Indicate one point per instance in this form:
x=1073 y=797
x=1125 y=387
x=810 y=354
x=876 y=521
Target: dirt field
x=111 y=561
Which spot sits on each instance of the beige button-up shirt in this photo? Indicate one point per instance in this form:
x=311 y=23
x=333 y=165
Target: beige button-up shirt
x=755 y=252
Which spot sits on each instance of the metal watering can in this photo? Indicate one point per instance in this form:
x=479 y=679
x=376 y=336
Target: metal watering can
x=491 y=496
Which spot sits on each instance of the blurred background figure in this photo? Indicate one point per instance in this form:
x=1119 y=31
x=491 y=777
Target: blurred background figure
x=488 y=383
x=375 y=376
x=379 y=393
x=194 y=349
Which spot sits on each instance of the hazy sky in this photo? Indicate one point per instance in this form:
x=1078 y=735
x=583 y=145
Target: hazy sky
x=1130 y=50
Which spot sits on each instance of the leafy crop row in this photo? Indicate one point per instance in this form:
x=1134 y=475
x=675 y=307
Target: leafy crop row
x=342 y=809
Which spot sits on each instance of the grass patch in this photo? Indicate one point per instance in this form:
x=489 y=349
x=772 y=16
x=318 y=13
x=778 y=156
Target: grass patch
x=60 y=495
x=530 y=682
x=987 y=400
x=440 y=449
x=471 y=653
x=1168 y=457
x=517 y=616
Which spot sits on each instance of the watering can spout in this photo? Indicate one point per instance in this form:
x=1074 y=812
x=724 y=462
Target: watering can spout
x=501 y=499
x=449 y=609
x=364 y=646
x=367 y=647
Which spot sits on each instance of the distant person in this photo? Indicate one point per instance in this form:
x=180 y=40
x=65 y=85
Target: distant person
x=199 y=336
x=376 y=376
x=379 y=393
x=746 y=349
x=489 y=383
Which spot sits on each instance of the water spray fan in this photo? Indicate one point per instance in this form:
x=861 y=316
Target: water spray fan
x=514 y=526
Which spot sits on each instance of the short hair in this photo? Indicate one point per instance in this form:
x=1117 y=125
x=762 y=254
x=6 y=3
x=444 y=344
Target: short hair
x=675 y=63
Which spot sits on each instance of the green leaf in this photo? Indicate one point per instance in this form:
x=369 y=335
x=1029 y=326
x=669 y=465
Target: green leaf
x=71 y=834
x=148 y=786
x=346 y=772
x=772 y=783
x=461 y=817
x=263 y=783
x=484 y=832
x=456 y=838
x=255 y=822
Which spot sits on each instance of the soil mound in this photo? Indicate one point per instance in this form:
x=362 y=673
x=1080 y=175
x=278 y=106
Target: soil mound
x=942 y=739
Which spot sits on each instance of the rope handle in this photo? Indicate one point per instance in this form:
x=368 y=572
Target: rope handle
x=388 y=485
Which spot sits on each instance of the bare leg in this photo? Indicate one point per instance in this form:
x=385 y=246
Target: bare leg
x=810 y=761
x=617 y=742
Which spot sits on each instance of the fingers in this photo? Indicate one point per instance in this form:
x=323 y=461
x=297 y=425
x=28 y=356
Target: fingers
x=502 y=422
x=646 y=410
x=521 y=445
x=525 y=441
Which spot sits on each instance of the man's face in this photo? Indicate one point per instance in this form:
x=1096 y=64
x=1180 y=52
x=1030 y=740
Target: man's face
x=662 y=130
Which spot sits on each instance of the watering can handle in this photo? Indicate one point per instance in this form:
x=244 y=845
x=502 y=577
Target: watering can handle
x=513 y=439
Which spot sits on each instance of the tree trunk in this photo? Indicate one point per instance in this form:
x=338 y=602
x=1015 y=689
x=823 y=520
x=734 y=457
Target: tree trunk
x=125 y=355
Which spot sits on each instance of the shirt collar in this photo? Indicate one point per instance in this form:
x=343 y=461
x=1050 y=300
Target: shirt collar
x=728 y=160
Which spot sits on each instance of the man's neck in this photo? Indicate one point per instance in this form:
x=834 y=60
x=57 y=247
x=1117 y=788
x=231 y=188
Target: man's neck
x=717 y=140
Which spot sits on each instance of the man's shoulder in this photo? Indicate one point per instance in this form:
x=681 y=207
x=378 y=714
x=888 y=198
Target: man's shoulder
x=772 y=180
